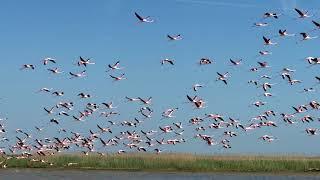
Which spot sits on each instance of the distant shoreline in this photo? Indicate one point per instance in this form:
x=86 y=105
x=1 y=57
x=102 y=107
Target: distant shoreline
x=175 y=162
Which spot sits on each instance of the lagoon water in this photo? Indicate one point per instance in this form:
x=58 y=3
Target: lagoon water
x=43 y=174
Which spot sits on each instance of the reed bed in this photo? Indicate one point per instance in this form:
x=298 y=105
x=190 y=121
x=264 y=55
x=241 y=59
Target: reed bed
x=170 y=162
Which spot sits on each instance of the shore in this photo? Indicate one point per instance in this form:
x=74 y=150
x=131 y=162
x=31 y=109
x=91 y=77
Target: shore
x=170 y=163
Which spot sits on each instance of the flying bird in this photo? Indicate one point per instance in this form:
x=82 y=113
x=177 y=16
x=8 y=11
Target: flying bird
x=223 y=77
x=48 y=60
x=268 y=41
x=84 y=62
x=306 y=36
x=236 y=63
x=284 y=33
x=78 y=75
x=260 y=24
x=27 y=66
x=164 y=61
x=115 y=66
x=205 y=61
x=174 y=37
x=269 y=14
x=302 y=14
x=118 y=78
x=196 y=87
x=55 y=71
x=144 y=19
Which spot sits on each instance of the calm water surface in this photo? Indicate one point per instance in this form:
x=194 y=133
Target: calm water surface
x=43 y=174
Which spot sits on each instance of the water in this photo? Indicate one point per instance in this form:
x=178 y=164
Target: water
x=44 y=174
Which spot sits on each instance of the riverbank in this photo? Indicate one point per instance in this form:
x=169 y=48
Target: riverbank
x=169 y=163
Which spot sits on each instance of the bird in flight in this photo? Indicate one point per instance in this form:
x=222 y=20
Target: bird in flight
x=236 y=63
x=54 y=71
x=284 y=33
x=263 y=64
x=205 y=61
x=260 y=24
x=262 y=53
x=306 y=36
x=266 y=86
x=302 y=14
x=196 y=87
x=269 y=14
x=223 y=77
x=147 y=19
x=115 y=66
x=48 y=60
x=76 y=75
x=174 y=37
x=164 y=61
x=118 y=78
x=27 y=66
x=45 y=89
x=84 y=62
x=268 y=41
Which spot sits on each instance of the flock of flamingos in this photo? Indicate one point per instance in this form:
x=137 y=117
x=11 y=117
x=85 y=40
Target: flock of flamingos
x=131 y=135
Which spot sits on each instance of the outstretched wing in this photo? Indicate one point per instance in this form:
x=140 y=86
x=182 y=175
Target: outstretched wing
x=219 y=74
x=299 y=12
x=316 y=23
x=233 y=62
x=170 y=37
x=138 y=16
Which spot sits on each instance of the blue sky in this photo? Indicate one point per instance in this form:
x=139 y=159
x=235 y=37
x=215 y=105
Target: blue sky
x=107 y=31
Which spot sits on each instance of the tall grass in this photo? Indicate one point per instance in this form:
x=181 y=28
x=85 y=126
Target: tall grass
x=172 y=162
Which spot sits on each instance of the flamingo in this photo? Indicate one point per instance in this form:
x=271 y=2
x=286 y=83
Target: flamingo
x=145 y=101
x=118 y=78
x=27 y=66
x=311 y=131
x=268 y=41
x=168 y=113
x=266 y=85
x=83 y=95
x=115 y=66
x=236 y=63
x=167 y=61
x=45 y=90
x=264 y=53
x=78 y=75
x=132 y=99
x=263 y=64
x=84 y=62
x=48 y=60
x=269 y=14
x=259 y=103
x=284 y=33
x=174 y=37
x=260 y=24
x=144 y=19
x=223 y=77
x=205 y=61
x=308 y=90
x=196 y=87
x=55 y=71
x=302 y=14
x=109 y=105
x=305 y=36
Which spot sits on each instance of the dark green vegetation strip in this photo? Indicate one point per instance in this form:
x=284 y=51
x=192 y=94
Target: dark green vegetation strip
x=169 y=162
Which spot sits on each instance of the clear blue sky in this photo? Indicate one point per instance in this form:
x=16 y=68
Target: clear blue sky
x=107 y=31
